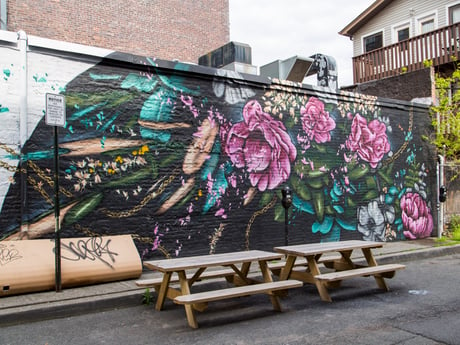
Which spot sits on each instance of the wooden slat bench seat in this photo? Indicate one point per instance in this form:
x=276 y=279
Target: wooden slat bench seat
x=246 y=290
x=278 y=265
x=156 y=282
x=385 y=271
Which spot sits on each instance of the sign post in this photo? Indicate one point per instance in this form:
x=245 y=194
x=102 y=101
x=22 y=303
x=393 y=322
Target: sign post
x=55 y=116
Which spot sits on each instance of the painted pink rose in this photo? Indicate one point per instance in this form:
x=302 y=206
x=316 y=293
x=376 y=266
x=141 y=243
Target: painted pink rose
x=262 y=146
x=416 y=216
x=316 y=121
x=368 y=140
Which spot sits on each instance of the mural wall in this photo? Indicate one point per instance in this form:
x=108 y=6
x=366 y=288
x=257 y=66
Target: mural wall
x=192 y=160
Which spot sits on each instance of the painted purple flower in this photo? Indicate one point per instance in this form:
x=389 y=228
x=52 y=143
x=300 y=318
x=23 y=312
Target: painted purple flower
x=316 y=121
x=416 y=216
x=368 y=140
x=262 y=146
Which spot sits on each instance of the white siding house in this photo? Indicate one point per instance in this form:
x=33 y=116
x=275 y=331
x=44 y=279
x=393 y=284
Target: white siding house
x=385 y=23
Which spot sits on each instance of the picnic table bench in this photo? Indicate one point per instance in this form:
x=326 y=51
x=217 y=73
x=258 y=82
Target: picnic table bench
x=238 y=262
x=343 y=266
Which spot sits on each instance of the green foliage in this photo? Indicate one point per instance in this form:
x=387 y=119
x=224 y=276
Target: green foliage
x=446 y=115
x=147 y=298
x=427 y=63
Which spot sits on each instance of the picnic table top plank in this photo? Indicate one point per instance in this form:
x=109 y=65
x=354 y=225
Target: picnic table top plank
x=223 y=259
x=321 y=248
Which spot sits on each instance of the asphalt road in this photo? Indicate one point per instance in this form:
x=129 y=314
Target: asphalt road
x=422 y=308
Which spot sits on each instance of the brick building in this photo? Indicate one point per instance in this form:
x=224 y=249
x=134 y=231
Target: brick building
x=173 y=29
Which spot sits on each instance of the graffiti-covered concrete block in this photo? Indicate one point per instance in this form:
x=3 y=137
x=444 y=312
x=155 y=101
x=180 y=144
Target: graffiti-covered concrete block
x=29 y=265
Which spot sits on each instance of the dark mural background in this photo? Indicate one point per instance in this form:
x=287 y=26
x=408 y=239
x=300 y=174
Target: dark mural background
x=190 y=160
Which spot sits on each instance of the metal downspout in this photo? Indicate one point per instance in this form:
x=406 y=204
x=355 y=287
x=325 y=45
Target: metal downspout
x=22 y=46
x=441 y=206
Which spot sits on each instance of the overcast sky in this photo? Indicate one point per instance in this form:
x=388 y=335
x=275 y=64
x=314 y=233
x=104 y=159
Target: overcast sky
x=280 y=29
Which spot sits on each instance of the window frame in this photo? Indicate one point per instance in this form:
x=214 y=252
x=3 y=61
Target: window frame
x=449 y=12
x=425 y=18
x=375 y=33
x=398 y=27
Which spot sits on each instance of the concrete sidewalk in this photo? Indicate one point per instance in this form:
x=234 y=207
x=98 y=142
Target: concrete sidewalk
x=73 y=301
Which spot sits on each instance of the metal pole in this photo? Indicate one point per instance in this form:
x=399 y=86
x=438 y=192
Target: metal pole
x=57 y=249
x=286 y=230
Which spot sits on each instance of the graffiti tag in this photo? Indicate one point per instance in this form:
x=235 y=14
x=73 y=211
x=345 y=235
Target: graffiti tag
x=91 y=249
x=8 y=254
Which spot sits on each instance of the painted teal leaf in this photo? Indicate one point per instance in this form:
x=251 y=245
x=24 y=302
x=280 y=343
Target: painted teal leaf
x=158 y=107
x=141 y=83
x=389 y=199
x=334 y=197
x=393 y=190
x=151 y=134
x=339 y=209
x=109 y=123
x=211 y=163
x=104 y=76
x=218 y=189
x=175 y=83
x=85 y=111
x=346 y=225
x=323 y=227
x=337 y=188
x=304 y=206
x=332 y=236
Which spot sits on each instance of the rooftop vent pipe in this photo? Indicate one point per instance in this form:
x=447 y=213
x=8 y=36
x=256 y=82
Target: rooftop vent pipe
x=297 y=68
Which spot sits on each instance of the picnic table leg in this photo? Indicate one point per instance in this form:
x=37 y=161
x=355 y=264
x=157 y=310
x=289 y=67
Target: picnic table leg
x=314 y=270
x=163 y=290
x=287 y=269
x=266 y=274
x=371 y=262
x=185 y=290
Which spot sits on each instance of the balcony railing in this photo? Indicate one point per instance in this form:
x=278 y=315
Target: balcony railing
x=438 y=46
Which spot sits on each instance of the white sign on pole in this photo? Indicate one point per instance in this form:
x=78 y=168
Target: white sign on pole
x=55 y=110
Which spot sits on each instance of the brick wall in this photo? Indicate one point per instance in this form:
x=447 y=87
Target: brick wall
x=173 y=29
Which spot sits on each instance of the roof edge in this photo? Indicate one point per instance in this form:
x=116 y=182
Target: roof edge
x=364 y=17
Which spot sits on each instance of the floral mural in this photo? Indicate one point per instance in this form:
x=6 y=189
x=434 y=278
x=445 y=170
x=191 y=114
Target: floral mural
x=194 y=163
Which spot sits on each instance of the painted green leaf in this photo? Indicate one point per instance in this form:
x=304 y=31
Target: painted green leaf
x=315 y=182
x=358 y=172
x=130 y=179
x=371 y=194
x=265 y=199
x=279 y=213
x=300 y=188
x=318 y=204
x=83 y=208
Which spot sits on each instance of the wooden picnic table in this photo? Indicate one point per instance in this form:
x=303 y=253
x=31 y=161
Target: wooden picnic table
x=343 y=266
x=237 y=264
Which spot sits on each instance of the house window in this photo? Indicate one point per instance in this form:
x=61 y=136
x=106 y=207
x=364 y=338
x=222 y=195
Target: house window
x=427 y=26
x=427 y=23
x=454 y=14
x=403 y=34
x=373 y=42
